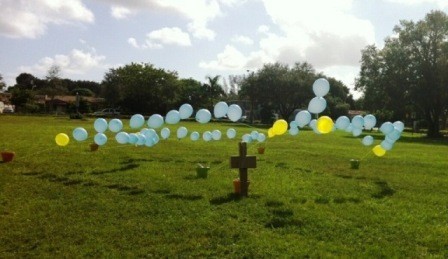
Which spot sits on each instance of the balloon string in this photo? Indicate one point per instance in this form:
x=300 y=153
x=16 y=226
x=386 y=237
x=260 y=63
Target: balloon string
x=35 y=153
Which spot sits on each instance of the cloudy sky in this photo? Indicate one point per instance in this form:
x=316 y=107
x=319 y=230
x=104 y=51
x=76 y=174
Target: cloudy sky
x=196 y=38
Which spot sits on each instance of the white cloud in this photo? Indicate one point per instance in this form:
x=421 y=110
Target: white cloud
x=29 y=19
x=77 y=62
x=120 y=12
x=242 y=39
x=133 y=43
x=169 y=36
x=165 y=36
x=198 y=14
x=229 y=59
x=323 y=33
x=440 y=3
x=263 y=29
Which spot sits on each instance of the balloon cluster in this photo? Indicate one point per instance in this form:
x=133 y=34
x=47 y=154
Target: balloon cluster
x=324 y=124
x=149 y=136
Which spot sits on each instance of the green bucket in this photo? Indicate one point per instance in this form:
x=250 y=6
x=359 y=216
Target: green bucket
x=202 y=172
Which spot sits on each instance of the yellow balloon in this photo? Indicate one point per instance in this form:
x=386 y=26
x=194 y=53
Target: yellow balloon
x=379 y=151
x=324 y=124
x=62 y=139
x=280 y=127
x=271 y=132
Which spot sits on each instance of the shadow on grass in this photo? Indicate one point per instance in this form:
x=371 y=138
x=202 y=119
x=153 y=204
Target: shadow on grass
x=418 y=139
x=385 y=190
x=184 y=197
x=283 y=218
x=231 y=197
x=133 y=160
x=274 y=204
x=121 y=169
x=131 y=190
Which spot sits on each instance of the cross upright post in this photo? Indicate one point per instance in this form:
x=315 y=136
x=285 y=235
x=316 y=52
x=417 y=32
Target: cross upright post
x=243 y=162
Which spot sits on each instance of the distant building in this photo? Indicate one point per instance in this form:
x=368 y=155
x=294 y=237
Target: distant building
x=61 y=103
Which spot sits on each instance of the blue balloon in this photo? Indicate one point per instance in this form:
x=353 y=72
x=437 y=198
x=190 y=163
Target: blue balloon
x=254 y=134
x=156 y=139
x=182 y=132
x=313 y=124
x=358 y=122
x=80 y=134
x=137 y=121
x=317 y=105
x=356 y=132
x=100 y=125
x=172 y=117
x=303 y=118
x=165 y=133
x=185 y=111
x=234 y=112
x=194 y=135
x=247 y=138
x=216 y=135
x=342 y=122
x=367 y=140
x=141 y=140
x=293 y=131
x=293 y=124
x=398 y=125
x=220 y=109
x=203 y=116
x=387 y=128
x=261 y=137
x=150 y=142
x=369 y=121
x=115 y=125
x=155 y=121
x=148 y=133
x=133 y=138
x=349 y=128
x=100 y=139
x=122 y=137
x=386 y=145
x=231 y=133
x=394 y=135
x=321 y=87
x=207 y=136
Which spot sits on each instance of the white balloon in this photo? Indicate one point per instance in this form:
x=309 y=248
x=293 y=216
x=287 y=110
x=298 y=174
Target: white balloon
x=155 y=121
x=172 y=117
x=235 y=112
x=203 y=116
x=317 y=105
x=185 y=111
x=220 y=109
x=321 y=87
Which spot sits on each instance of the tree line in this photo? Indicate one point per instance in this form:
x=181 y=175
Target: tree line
x=405 y=80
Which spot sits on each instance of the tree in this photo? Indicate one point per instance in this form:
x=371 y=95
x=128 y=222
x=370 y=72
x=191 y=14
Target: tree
x=284 y=89
x=410 y=74
x=214 y=90
x=2 y=83
x=192 y=92
x=141 y=88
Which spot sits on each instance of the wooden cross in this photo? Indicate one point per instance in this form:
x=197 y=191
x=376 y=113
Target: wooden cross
x=243 y=162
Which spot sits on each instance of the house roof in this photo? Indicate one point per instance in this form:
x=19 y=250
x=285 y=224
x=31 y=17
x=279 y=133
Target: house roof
x=67 y=99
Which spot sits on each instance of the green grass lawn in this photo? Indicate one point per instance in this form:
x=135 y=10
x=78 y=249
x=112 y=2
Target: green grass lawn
x=127 y=201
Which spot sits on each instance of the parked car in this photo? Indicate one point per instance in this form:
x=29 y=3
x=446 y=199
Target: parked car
x=108 y=112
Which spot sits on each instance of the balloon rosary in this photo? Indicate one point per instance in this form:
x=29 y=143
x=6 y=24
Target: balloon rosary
x=325 y=125
x=150 y=137
x=322 y=125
